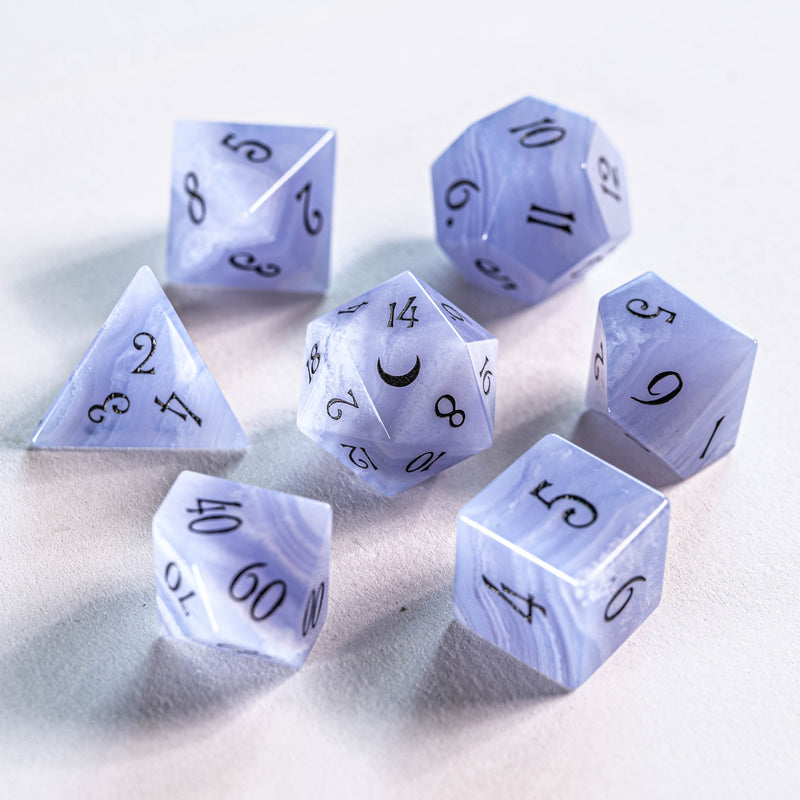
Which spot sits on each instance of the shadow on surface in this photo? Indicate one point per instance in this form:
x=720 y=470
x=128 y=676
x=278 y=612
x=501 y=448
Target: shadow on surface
x=102 y=668
x=602 y=436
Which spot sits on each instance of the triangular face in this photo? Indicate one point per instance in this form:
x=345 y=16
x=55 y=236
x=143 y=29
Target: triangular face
x=141 y=383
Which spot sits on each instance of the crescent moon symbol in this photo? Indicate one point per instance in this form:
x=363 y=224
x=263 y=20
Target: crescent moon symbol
x=399 y=380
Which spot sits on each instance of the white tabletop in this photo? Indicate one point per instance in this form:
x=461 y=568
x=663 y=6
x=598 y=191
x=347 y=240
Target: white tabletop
x=396 y=699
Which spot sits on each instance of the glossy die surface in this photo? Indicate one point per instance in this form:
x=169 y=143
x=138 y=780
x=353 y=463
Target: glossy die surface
x=398 y=384
x=528 y=198
x=141 y=383
x=251 y=206
x=560 y=559
x=242 y=568
x=671 y=373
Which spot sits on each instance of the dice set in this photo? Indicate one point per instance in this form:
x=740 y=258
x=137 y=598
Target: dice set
x=561 y=557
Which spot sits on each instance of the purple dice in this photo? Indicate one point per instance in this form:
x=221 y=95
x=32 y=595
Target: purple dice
x=251 y=206
x=528 y=198
x=242 y=568
x=141 y=383
x=673 y=375
x=560 y=559
x=398 y=384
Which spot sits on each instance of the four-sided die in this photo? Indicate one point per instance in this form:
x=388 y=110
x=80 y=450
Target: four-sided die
x=673 y=375
x=242 y=568
x=398 y=384
x=251 y=206
x=529 y=198
x=560 y=559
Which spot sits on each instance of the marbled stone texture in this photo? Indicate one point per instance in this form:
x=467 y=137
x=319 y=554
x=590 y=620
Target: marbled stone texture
x=560 y=559
x=242 y=568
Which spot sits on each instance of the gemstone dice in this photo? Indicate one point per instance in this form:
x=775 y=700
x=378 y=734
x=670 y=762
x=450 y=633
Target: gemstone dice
x=560 y=559
x=251 y=206
x=141 y=383
x=398 y=384
x=673 y=375
x=528 y=198
x=242 y=568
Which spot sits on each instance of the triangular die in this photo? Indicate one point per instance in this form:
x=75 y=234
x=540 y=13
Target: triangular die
x=141 y=383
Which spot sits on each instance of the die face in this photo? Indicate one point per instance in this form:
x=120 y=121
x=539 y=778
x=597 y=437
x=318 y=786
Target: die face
x=141 y=383
x=242 y=568
x=401 y=380
x=560 y=559
x=676 y=375
x=251 y=206
x=521 y=183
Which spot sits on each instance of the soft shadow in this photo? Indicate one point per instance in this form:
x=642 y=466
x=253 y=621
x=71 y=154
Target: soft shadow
x=606 y=439
x=468 y=673
x=102 y=668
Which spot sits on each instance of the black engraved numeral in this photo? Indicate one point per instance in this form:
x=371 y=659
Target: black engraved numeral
x=213 y=523
x=453 y=312
x=361 y=463
x=313 y=608
x=100 y=411
x=197 y=205
x=312 y=365
x=256 y=151
x=486 y=375
x=335 y=400
x=609 y=615
x=598 y=360
x=172 y=577
x=454 y=416
x=165 y=407
x=541 y=133
x=504 y=592
x=659 y=398
x=552 y=223
x=568 y=514
x=713 y=434
x=423 y=462
x=466 y=188
x=249 y=263
x=139 y=370
x=609 y=175
x=491 y=270
x=402 y=316
x=400 y=381
x=644 y=306
x=353 y=309
x=247 y=578
x=304 y=196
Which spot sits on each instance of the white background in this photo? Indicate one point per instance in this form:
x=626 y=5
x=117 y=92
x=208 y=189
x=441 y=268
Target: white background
x=701 y=702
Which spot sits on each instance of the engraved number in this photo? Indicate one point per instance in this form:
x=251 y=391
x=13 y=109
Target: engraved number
x=213 y=523
x=486 y=374
x=453 y=312
x=504 y=592
x=335 y=400
x=608 y=614
x=659 y=398
x=315 y=226
x=165 y=407
x=172 y=577
x=248 y=579
x=361 y=463
x=598 y=359
x=465 y=194
x=197 y=205
x=644 y=306
x=312 y=365
x=569 y=512
x=423 y=462
x=491 y=270
x=402 y=316
x=138 y=346
x=353 y=309
x=609 y=175
x=257 y=152
x=552 y=223
x=541 y=133
x=313 y=608
x=248 y=262
x=713 y=434
x=102 y=410
x=455 y=416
